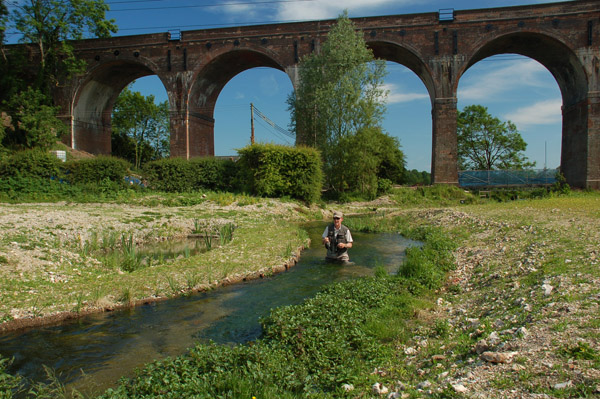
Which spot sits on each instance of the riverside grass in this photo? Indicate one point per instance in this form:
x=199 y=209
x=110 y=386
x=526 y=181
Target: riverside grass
x=503 y=254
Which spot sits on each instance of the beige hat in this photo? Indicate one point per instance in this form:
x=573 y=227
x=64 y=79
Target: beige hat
x=338 y=214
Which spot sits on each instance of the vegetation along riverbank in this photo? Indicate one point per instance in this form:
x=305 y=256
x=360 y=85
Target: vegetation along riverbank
x=501 y=301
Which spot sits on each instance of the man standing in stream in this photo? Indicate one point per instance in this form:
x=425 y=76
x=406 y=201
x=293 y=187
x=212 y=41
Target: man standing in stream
x=337 y=239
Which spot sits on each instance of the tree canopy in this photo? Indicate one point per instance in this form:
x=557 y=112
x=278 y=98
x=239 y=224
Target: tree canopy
x=338 y=108
x=487 y=143
x=140 y=128
x=51 y=25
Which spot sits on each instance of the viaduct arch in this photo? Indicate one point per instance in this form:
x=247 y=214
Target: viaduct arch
x=196 y=65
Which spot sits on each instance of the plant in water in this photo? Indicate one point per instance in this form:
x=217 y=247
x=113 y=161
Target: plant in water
x=207 y=240
x=226 y=233
x=197 y=227
x=131 y=259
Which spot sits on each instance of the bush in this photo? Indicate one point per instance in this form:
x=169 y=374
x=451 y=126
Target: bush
x=181 y=175
x=30 y=163
x=278 y=171
x=95 y=170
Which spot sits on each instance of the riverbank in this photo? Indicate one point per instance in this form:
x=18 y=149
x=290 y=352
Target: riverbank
x=516 y=318
x=57 y=259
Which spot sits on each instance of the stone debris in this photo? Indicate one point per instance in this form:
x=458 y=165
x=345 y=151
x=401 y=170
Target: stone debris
x=379 y=389
x=498 y=357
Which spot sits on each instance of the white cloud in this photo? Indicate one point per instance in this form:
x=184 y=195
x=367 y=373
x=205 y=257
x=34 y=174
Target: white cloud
x=239 y=95
x=317 y=9
x=489 y=82
x=541 y=113
x=395 y=95
x=269 y=85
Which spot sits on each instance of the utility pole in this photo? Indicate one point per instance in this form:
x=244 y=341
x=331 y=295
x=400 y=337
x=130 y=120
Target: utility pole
x=251 y=123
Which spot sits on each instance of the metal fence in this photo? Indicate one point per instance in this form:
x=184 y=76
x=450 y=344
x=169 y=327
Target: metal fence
x=506 y=178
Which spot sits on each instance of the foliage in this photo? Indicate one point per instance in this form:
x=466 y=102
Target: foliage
x=486 y=143
x=97 y=169
x=308 y=350
x=276 y=171
x=9 y=384
x=33 y=123
x=181 y=175
x=139 y=126
x=338 y=108
x=414 y=177
x=30 y=163
x=51 y=25
x=3 y=21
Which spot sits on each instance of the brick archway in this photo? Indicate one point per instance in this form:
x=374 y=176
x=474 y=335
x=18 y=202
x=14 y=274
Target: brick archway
x=570 y=75
x=195 y=66
x=94 y=99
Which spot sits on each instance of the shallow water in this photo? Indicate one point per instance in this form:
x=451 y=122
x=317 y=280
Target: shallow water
x=92 y=353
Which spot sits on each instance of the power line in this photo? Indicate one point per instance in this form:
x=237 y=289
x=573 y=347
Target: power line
x=245 y=3
x=275 y=126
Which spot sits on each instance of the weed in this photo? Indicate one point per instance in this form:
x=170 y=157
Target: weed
x=192 y=280
x=173 y=285
x=207 y=240
x=226 y=233
x=125 y=296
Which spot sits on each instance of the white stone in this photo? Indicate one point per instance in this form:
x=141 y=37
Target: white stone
x=348 y=387
x=460 y=388
x=547 y=289
x=563 y=385
x=394 y=395
x=424 y=385
x=379 y=389
x=410 y=351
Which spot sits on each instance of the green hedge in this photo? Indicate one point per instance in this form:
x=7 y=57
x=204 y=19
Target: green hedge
x=97 y=169
x=278 y=171
x=30 y=163
x=181 y=175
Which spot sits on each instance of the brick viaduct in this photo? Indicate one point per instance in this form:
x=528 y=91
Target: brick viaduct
x=194 y=68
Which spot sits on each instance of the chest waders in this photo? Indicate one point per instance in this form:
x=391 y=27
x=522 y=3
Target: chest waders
x=333 y=252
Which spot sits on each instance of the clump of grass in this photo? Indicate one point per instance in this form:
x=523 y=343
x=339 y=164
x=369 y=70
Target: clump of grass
x=226 y=233
x=132 y=260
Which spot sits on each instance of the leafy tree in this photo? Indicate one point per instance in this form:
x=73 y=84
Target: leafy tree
x=140 y=123
x=487 y=143
x=415 y=177
x=338 y=108
x=3 y=21
x=50 y=25
x=29 y=122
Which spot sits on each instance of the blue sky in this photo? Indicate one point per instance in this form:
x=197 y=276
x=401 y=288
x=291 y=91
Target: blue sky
x=512 y=87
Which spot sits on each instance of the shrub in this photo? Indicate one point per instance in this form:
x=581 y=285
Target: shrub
x=95 y=170
x=30 y=163
x=277 y=171
x=181 y=175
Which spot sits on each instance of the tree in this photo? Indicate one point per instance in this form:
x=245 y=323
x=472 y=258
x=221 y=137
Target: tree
x=51 y=24
x=487 y=143
x=29 y=122
x=140 y=123
x=3 y=21
x=338 y=107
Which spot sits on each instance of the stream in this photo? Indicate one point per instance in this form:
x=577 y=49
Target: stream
x=92 y=353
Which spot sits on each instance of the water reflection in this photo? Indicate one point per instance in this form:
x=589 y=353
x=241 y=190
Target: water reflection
x=106 y=346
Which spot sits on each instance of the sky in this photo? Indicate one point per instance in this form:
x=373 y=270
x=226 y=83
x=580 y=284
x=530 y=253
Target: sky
x=512 y=87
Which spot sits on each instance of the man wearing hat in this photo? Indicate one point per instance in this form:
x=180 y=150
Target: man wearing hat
x=337 y=239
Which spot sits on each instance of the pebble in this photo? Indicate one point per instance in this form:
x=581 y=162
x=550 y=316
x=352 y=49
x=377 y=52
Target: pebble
x=348 y=387
x=424 y=385
x=460 y=388
x=563 y=385
x=498 y=357
x=547 y=289
x=379 y=389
